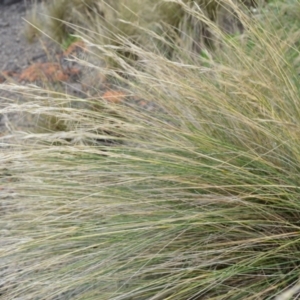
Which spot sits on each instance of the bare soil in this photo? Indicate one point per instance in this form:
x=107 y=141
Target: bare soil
x=22 y=61
x=15 y=51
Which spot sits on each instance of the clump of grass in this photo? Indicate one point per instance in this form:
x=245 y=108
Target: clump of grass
x=199 y=201
x=168 y=21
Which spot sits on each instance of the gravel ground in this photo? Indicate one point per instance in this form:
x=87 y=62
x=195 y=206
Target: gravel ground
x=17 y=55
x=15 y=51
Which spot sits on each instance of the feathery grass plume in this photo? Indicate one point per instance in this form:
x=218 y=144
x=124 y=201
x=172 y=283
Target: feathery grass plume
x=199 y=201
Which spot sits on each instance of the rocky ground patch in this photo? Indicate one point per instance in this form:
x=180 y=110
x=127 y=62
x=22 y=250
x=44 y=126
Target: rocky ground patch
x=41 y=62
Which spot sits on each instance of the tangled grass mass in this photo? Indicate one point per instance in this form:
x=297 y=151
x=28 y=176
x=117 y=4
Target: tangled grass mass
x=197 y=199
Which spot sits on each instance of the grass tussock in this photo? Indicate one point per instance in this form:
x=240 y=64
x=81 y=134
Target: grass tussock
x=152 y=24
x=196 y=200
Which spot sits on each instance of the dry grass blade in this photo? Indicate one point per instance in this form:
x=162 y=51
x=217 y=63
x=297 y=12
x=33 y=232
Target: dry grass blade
x=289 y=293
x=192 y=196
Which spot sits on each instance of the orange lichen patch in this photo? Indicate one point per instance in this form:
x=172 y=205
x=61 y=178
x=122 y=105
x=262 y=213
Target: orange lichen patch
x=142 y=103
x=44 y=72
x=114 y=96
x=74 y=47
x=4 y=75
